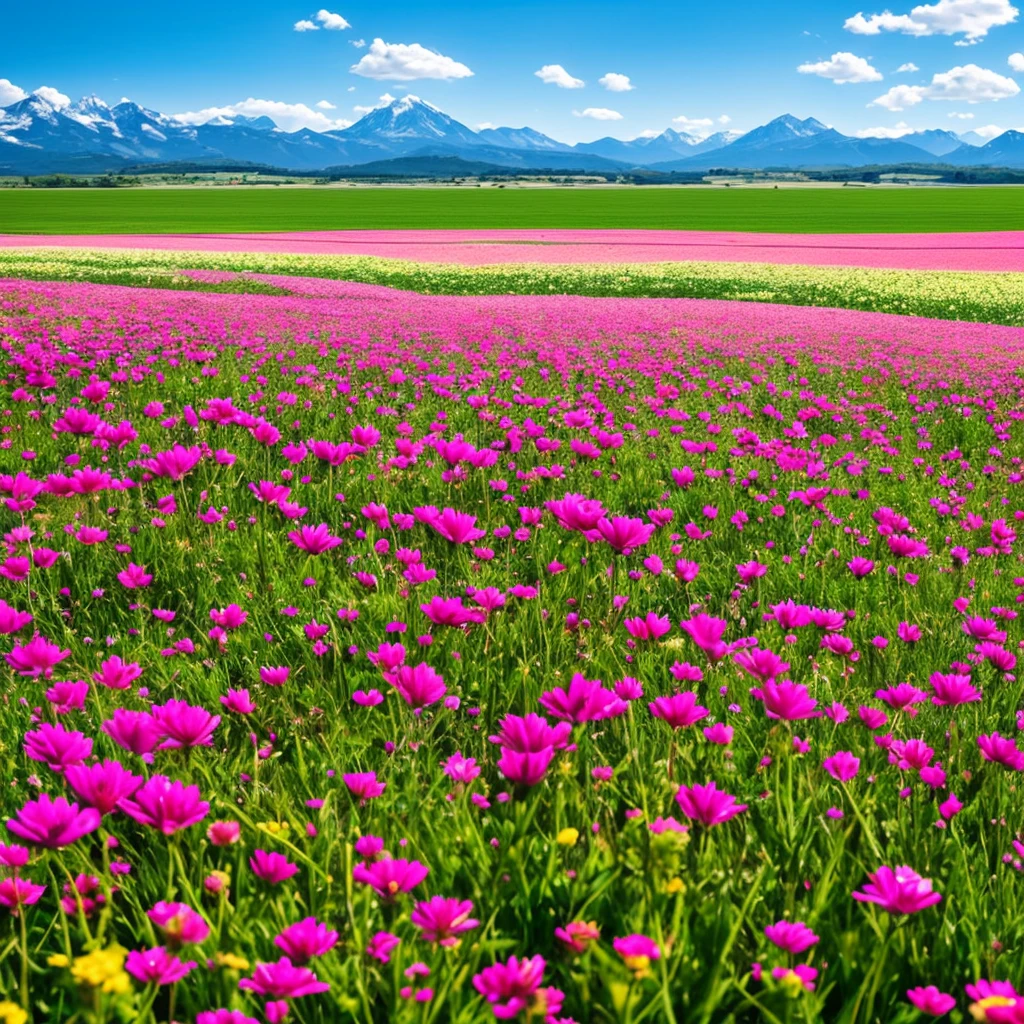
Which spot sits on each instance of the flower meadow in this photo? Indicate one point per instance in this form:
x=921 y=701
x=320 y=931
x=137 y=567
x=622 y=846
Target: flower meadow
x=978 y=296
x=376 y=656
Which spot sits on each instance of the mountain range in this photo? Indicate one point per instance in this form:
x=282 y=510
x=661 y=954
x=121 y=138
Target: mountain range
x=39 y=136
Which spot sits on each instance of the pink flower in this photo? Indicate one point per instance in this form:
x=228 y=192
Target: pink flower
x=179 y=923
x=442 y=919
x=314 y=540
x=134 y=577
x=282 y=980
x=419 y=685
x=514 y=987
x=135 y=731
x=16 y=893
x=578 y=935
x=637 y=952
x=842 y=765
x=364 y=785
x=457 y=527
x=305 y=939
x=116 y=674
x=708 y=804
x=791 y=936
x=53 y=823
x=274 y=676
x=1002 y=751
x=650 y=627
x=584 y=701
x=898 y=891
x=801 y=975
x=381 y=945
x=679 y=710
x=184 y=725
x=224 y=833
x=11 y=620
x=789 y=701
x=390 y=877
x=953 y=689
x=706 y=632
x=102 y=785
x=157 y=966
x=35 y=658
x=56 y=747
x=165 y=805
x=272 y=867
x=624 y=534
x=931 y=1001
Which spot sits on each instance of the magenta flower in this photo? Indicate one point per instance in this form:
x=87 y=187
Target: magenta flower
x=637 y=952
x=381 y=945
x=11 y=620
x=53 y=823
x=625 y=534
x=179 y=923
x=56 y=747
x=952 y=689
x=930 y=1000
x=364 y=785
x=157 y=966
x=708 y=804
x=457 y=527
x=578 y=935
x=116 y=674
x=184 y=725
x=576 y=512
x=305 y=939
x=842 y=765
x=860 y=567
x=706 y=632
x=16 y=893
x=314 y=540
x=525 y=768
x=173 y=464
x=134 y=577
x=898 y=891
x=679 y=710
x=224 y=1017
x=390 y=877
x=531 y=733
x=283 y=980
x=800 y=975
x=761 y=664
x=584 y=701
x=35 y=658
x=165 y=805
x=102 y=785
x=442 y=919
x=514 y=987
x=791 y=936
x=272 y=867
x=789 y=701
x=650 y=627
x=419 y=685
x=1002 y=751
x=135 y=731
x=275 y=675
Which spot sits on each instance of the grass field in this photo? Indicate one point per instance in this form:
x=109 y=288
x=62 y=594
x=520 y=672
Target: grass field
x=810 y=210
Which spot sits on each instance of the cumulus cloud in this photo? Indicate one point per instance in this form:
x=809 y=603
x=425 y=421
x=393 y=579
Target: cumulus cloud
x=326 y=105
x=406 y=62
x=694 y=125
x=289 y=116
x=359 y=44
x=10 y=93
x=616 y=83
x=555 y=74
x=485 y=125
x=1016 y=61
x=842 y=68
x=305 y=25
x=384 y=101
x=969 y=84
x=897 y=131
x=724 y=119
x=909 y=66
x=599 y=114
x=52 y=96
x=988 y=131
x=649 y=133
x=971 y=19
x=333 y=22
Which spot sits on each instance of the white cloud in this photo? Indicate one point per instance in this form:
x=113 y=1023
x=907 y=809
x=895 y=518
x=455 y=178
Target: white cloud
x=988 y=131
x=649 y=133
x=358 y=43
x=694 y=125
x=842 y=68
x=896 y=132
x=599 y=114
x=289 y=116
x=10 y=93
x=406 y=62
x=909 y=66
x=724 y=119
x=616 y=83
x=385 y=101
x=326 y=105
x=962 y=117
x=361 y=110
x=53 y=97
x=971 y=19
x=1016 y=61
x=969 y=84
x=484 y=125
x=334 y=22
x=555 y=74
x=306 y=26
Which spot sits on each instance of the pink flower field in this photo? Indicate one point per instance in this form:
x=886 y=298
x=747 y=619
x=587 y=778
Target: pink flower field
x=373 y=656
x=992 y=251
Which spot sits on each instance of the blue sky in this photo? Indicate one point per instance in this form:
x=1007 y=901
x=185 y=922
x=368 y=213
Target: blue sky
x=688 y=65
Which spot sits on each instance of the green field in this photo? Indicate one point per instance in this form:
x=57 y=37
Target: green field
x=805 y=209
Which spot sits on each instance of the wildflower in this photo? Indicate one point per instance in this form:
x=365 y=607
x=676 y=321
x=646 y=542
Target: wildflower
x=578 y=935
x=679 y=711
x=165 y=805
x=102 y=785
x=842 y=765
x=305 y=939
x=637 y=952
x=442 y=919
x=514 y=987
x=179 y=923
x=791 y=936
x=283 y=980
x=103 y=969
x=364 y=785
x=898 y=891
x=708 y=804
x=930 y=1000
x=567 y=837
x=53 y=823
x=272 y=867
x=584 y=701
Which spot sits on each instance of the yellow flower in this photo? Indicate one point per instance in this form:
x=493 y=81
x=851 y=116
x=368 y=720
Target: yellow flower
x=11 y=1013
x=568 y=837
x=233 y=962
x=58 y=960
x=103 y=968
x=675 y=885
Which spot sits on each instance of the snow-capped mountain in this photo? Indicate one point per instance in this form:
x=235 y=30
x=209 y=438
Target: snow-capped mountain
x=47 y=133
